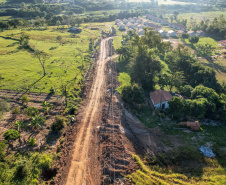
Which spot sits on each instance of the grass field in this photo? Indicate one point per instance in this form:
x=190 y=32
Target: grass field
x=201 y=16
x=21 y=71
x=2 y=1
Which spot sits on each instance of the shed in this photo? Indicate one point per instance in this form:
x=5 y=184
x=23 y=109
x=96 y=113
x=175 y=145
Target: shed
x=160 y=99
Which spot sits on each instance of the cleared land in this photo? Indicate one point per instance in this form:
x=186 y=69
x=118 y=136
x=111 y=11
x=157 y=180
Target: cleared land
x=20 y=70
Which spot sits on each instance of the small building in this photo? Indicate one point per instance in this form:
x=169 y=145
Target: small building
x=200 y=33
x=160 y=99
x=162 y=33
x=121 y=27
x=140 y=32
x=223 y=43
x=117 y=21
x=74 y=30
x=140 y=26
x=125 y=21
x=179 y=33
x=146 y=22
x=172 y=33
x=113 y=31
x=191 y=33
x=139 y=21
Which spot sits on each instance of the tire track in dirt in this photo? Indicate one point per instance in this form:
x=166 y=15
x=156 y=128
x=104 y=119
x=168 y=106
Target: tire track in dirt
x=79 y=172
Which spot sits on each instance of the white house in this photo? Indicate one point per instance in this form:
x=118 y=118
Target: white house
x=160 y=99
x=172 y=33
x=162 y=33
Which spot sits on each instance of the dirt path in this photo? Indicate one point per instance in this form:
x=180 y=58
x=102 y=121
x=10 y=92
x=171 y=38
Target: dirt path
x=80 y=171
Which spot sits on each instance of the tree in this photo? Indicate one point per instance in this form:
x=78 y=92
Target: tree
x=204 y=50
x=59 y=38
x=194 y=39
x=186 y=90
x=175 y=14
x=4 y=106
x=196 y=108
x=176 y=107
x=171 y=18
x=184 y=36
x=2 y=151
x=132 y=94
x=24 y=39
x=42 y=58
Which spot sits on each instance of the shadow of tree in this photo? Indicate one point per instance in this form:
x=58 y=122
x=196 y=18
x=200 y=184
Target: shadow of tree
x=213 y=64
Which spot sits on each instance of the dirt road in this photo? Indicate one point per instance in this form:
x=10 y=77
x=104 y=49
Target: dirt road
x=80 y=170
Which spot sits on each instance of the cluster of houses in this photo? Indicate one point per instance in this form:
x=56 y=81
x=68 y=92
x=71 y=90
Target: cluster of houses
x=138 y=24
x=57 y=1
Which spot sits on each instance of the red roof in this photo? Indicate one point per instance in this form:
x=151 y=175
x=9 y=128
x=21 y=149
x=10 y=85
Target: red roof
x=160 y=96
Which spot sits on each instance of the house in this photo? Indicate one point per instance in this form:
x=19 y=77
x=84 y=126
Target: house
x=139 y=21
x=140 y=26
x=172 y=33
x=117 y=21
x=223 y=43
x=74 y=30
x=125 y=21
x=200 y=33
x=191 y=33
x=162 y=33
x=141 y=32
x=160 y=99
x=121 y=27
x=179 y=33
x=146 y=22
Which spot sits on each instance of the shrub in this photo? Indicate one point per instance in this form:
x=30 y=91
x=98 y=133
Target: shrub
x=21 y=170
x=58 y=124
x=31 y=142
x=25 y=99
x=31 y=111
x=16 y=110
x=4 y=106
x=2 y=151
x=11 y=134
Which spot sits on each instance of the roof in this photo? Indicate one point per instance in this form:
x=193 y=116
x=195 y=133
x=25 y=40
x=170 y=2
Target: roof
x=190 y=32
x=171 y=31
x=199 y=31
x=223 y=42
x=180 y=32
x=160 y=96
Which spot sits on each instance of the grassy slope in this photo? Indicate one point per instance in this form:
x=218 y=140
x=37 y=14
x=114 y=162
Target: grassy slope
x=213 y=174
x=21 y=70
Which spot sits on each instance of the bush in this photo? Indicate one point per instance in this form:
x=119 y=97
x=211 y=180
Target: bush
x=2 y=151
x=31 y=111
x=25 y=99
x=11 y=134
x=4 y=106
x=16 y=110
x=31 y=142
x=21 y=170
x=58 y=124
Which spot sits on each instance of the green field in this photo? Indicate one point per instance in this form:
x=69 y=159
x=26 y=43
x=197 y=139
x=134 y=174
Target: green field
x=201 y=16
x=2 y=1
x=21 y=71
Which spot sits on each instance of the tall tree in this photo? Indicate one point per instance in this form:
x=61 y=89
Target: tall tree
x=42 y=58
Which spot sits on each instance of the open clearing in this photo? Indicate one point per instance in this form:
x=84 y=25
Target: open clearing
x=21 y=71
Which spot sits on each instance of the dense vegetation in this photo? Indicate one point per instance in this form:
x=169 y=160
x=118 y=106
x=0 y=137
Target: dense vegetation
x=198 y=83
